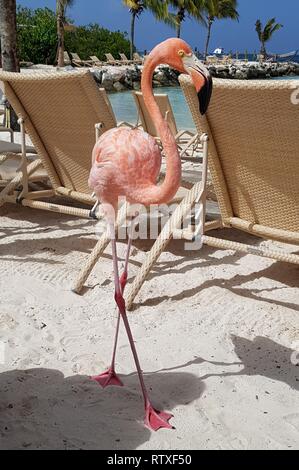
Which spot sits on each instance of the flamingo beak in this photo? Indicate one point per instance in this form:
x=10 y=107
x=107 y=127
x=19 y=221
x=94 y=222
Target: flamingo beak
x=202 y=80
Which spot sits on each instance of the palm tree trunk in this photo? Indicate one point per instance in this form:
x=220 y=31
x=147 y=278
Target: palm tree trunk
x=132 y=45
x=178 y=29
x=10 y=63
x=8 y=29
x=263 y=50
x=180 y=18
x=210 y=22
x=60 y=33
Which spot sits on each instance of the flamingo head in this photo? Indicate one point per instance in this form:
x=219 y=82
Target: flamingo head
x=179 y=55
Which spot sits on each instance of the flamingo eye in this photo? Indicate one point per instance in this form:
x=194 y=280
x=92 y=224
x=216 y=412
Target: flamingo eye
x=181 y=53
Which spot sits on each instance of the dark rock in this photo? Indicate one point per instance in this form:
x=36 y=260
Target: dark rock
x=98 y=75
x=120 y=78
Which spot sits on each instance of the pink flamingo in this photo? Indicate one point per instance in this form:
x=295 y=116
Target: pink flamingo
x=126 y=162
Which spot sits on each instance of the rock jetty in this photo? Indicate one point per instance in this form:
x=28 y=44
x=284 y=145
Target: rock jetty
x=128 y=78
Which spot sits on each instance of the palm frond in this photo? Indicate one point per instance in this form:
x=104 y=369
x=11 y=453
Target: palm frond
x=192 y=8
x=221 y=9
x=276 y=28
x=266 y=33
x=258 y=28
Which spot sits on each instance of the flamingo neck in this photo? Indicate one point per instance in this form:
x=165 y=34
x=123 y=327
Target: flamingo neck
x=167 y=190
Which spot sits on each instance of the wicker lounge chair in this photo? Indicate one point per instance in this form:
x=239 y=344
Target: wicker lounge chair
x=187 y=141
x=96 y=62
x=66 y=58
x=111 y=60
x=138 y=60
x=78 y=62
x=125 y=60
x=63 y=141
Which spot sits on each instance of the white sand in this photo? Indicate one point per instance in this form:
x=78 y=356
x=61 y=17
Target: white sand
x=215 y=331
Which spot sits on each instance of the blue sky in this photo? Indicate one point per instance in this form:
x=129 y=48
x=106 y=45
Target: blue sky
x=228 y=34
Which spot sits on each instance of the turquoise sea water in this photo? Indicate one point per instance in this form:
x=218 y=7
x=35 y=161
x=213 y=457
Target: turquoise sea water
x=286 y=78
x=125 y=109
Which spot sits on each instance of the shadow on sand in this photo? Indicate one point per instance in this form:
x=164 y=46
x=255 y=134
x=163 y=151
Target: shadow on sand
x=264 y=357
x=42 y=409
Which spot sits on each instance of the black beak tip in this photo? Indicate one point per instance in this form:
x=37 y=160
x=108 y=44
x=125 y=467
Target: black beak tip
x=204 y=95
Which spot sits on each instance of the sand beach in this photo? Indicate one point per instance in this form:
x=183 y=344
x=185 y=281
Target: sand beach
x=217 y=333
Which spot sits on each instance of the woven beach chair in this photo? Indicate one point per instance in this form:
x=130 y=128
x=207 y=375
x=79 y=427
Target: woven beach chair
x=111 y=60
x=59 y=112
x=187 y=141
x=66 y=58
x=125 y=60
x=138 y=60
x=96 y=62
x=78 y=62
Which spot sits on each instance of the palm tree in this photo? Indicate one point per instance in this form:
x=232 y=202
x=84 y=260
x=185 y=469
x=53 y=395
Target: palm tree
x=184 y=8
x=61 y=7
x=266 y=34
x=217 y=10
x=9 y=58
x=8 y=32
x=137 y=7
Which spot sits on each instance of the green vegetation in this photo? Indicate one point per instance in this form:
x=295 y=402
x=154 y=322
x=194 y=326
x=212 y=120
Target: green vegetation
x=266 y=33
x=37 y=38
x=36 y=35
x=94 y=40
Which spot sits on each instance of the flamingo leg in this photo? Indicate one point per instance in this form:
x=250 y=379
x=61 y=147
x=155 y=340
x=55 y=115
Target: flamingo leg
x=109 y=377
x=154 y=419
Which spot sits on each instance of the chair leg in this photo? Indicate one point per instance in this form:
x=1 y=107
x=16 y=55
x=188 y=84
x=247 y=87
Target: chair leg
x=32 y=167
x=162 y=241
x=91 y=262
x=197 y=193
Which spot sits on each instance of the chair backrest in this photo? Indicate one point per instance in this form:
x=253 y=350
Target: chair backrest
x=94 y=58
x=137 y=56
x=254 y=149
x=108 y=104
x=110 y=57
x=67 y=59
x=123 y=57
x=75 y=56
x=60 y=110
x=146 y=120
